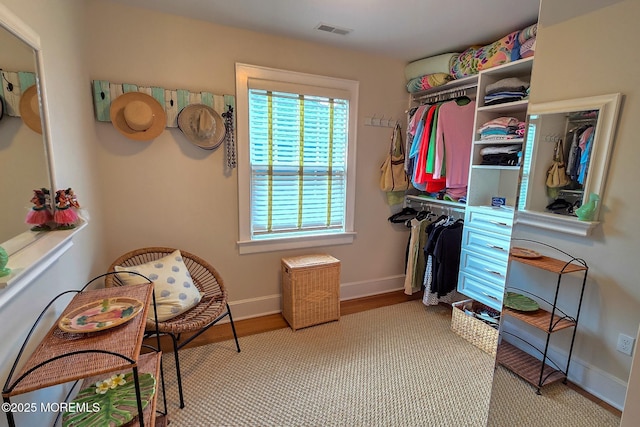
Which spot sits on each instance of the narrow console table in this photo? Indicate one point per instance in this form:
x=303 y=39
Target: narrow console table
x=63 y=357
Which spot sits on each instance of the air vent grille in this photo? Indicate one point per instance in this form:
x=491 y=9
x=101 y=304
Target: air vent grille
x=333 y=29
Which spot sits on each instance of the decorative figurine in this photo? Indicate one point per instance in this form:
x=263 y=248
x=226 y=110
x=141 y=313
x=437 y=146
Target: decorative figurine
x=587 y=211
x=65 y=215
x=40 y=213
x=4 y=259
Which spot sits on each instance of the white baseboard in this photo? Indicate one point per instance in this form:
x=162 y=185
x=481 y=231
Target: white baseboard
x=592 y=379
x=271 y=304
x=367 y=288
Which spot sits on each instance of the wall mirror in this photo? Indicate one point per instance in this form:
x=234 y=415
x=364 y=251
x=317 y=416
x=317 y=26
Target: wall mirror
x=581 y=131
x=24 y=159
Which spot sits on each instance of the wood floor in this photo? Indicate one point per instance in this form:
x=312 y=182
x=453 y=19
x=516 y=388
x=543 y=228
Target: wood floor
x=271 y=322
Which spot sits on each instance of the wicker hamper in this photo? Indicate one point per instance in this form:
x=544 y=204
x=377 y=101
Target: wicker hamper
x=473 y=330
x=310 y=290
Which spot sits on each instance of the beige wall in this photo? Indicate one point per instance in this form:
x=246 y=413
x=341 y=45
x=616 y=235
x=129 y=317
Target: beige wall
x=593 y=54
x=59 y=24
x=170 y=192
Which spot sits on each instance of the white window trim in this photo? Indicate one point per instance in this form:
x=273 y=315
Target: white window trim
x=244 y=72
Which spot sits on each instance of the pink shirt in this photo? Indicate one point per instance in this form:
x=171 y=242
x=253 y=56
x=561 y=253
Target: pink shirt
x=453 y=142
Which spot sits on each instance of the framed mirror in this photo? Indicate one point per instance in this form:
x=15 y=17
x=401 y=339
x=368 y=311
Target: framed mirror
x=565 y=162
x=24 y=153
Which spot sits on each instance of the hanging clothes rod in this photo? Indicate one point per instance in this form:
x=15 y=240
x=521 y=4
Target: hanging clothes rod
x=447 y=94
x=592 y=120
x=435 y=206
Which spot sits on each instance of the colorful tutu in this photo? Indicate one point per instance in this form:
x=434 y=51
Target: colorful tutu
x=38 y=216
x=65 y=216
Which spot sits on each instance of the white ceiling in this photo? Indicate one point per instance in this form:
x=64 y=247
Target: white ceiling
x=403 y=29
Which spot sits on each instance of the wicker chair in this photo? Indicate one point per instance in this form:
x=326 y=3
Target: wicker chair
x=212 y=308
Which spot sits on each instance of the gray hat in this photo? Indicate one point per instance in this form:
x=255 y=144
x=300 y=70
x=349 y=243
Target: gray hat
x=202 y=125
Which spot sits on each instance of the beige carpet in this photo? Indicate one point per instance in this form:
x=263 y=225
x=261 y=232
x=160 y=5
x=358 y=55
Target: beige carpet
x=515 y=403
x=394 y=366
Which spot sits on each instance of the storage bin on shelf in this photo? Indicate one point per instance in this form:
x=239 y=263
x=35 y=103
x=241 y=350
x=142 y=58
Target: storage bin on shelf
x=474 y=330
x=310 y=290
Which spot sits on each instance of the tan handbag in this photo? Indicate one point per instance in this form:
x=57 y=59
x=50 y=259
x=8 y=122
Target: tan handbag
x=557 y=173
x=393 y=176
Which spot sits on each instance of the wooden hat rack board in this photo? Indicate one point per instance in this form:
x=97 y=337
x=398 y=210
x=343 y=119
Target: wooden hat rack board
x=172 y=101
x=14 y=84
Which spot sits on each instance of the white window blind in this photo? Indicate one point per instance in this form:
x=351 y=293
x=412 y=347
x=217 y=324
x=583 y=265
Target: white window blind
x=298 y=163
x=526 y=165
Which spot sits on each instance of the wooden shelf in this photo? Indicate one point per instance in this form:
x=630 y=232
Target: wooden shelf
x=540 y=319
x=526 y=366
x=497 y=167
x=505 y=107
x=513 y=141
x=550 y=264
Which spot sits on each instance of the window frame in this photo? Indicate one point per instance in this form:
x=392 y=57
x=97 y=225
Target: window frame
x=277 y=77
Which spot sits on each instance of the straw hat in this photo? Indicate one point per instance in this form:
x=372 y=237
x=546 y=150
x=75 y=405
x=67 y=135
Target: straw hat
x=138 y=116
x=202 y=125
x=29 y=108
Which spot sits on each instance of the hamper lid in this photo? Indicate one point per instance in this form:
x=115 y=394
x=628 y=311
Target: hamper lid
x=309 y=260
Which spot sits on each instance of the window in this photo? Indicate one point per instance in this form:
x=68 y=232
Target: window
x=296 y=159
x=526 y=164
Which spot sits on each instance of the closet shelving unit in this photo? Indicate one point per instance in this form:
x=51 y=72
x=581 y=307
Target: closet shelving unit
x=63 y=357
x=487 y=230
x=550 y=319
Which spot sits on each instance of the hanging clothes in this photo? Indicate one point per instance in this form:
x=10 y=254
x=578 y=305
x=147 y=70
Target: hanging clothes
x=415 y=257
x=415 y=126
x=423 y=176
x=443 y=258
x=433 y=231
x=441 y=148
x=581 y=138
x=586 y=142
x=453 y=146
x=415 y=144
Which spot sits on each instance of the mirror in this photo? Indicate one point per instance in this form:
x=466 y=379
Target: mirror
x=578 y=133
x=531 y=303
x=23 y=152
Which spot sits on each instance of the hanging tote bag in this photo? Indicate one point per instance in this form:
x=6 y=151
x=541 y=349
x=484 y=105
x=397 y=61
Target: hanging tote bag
x=557 y=173
x=393 y=178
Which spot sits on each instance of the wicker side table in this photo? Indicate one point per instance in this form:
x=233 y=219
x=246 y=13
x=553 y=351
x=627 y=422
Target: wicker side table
x=63 y=357
x=310 y=290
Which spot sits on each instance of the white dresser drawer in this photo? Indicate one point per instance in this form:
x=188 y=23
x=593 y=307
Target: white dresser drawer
x=492 y=270
x=490 y=219
x=494 y=246
x=481 y=290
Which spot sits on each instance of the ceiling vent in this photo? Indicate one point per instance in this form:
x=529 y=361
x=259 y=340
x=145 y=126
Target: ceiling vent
x=331 y=29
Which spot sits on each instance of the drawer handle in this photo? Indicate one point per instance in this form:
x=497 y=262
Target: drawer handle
x=501 y=224
x=497 y=273
x=500 y=248
x=490 y=296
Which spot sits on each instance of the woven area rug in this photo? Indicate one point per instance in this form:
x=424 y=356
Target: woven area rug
x=515 y=403
x=399 y=365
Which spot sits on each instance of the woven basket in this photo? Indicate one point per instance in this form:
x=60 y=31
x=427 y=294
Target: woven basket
x=310 y=290
x=471 y=329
